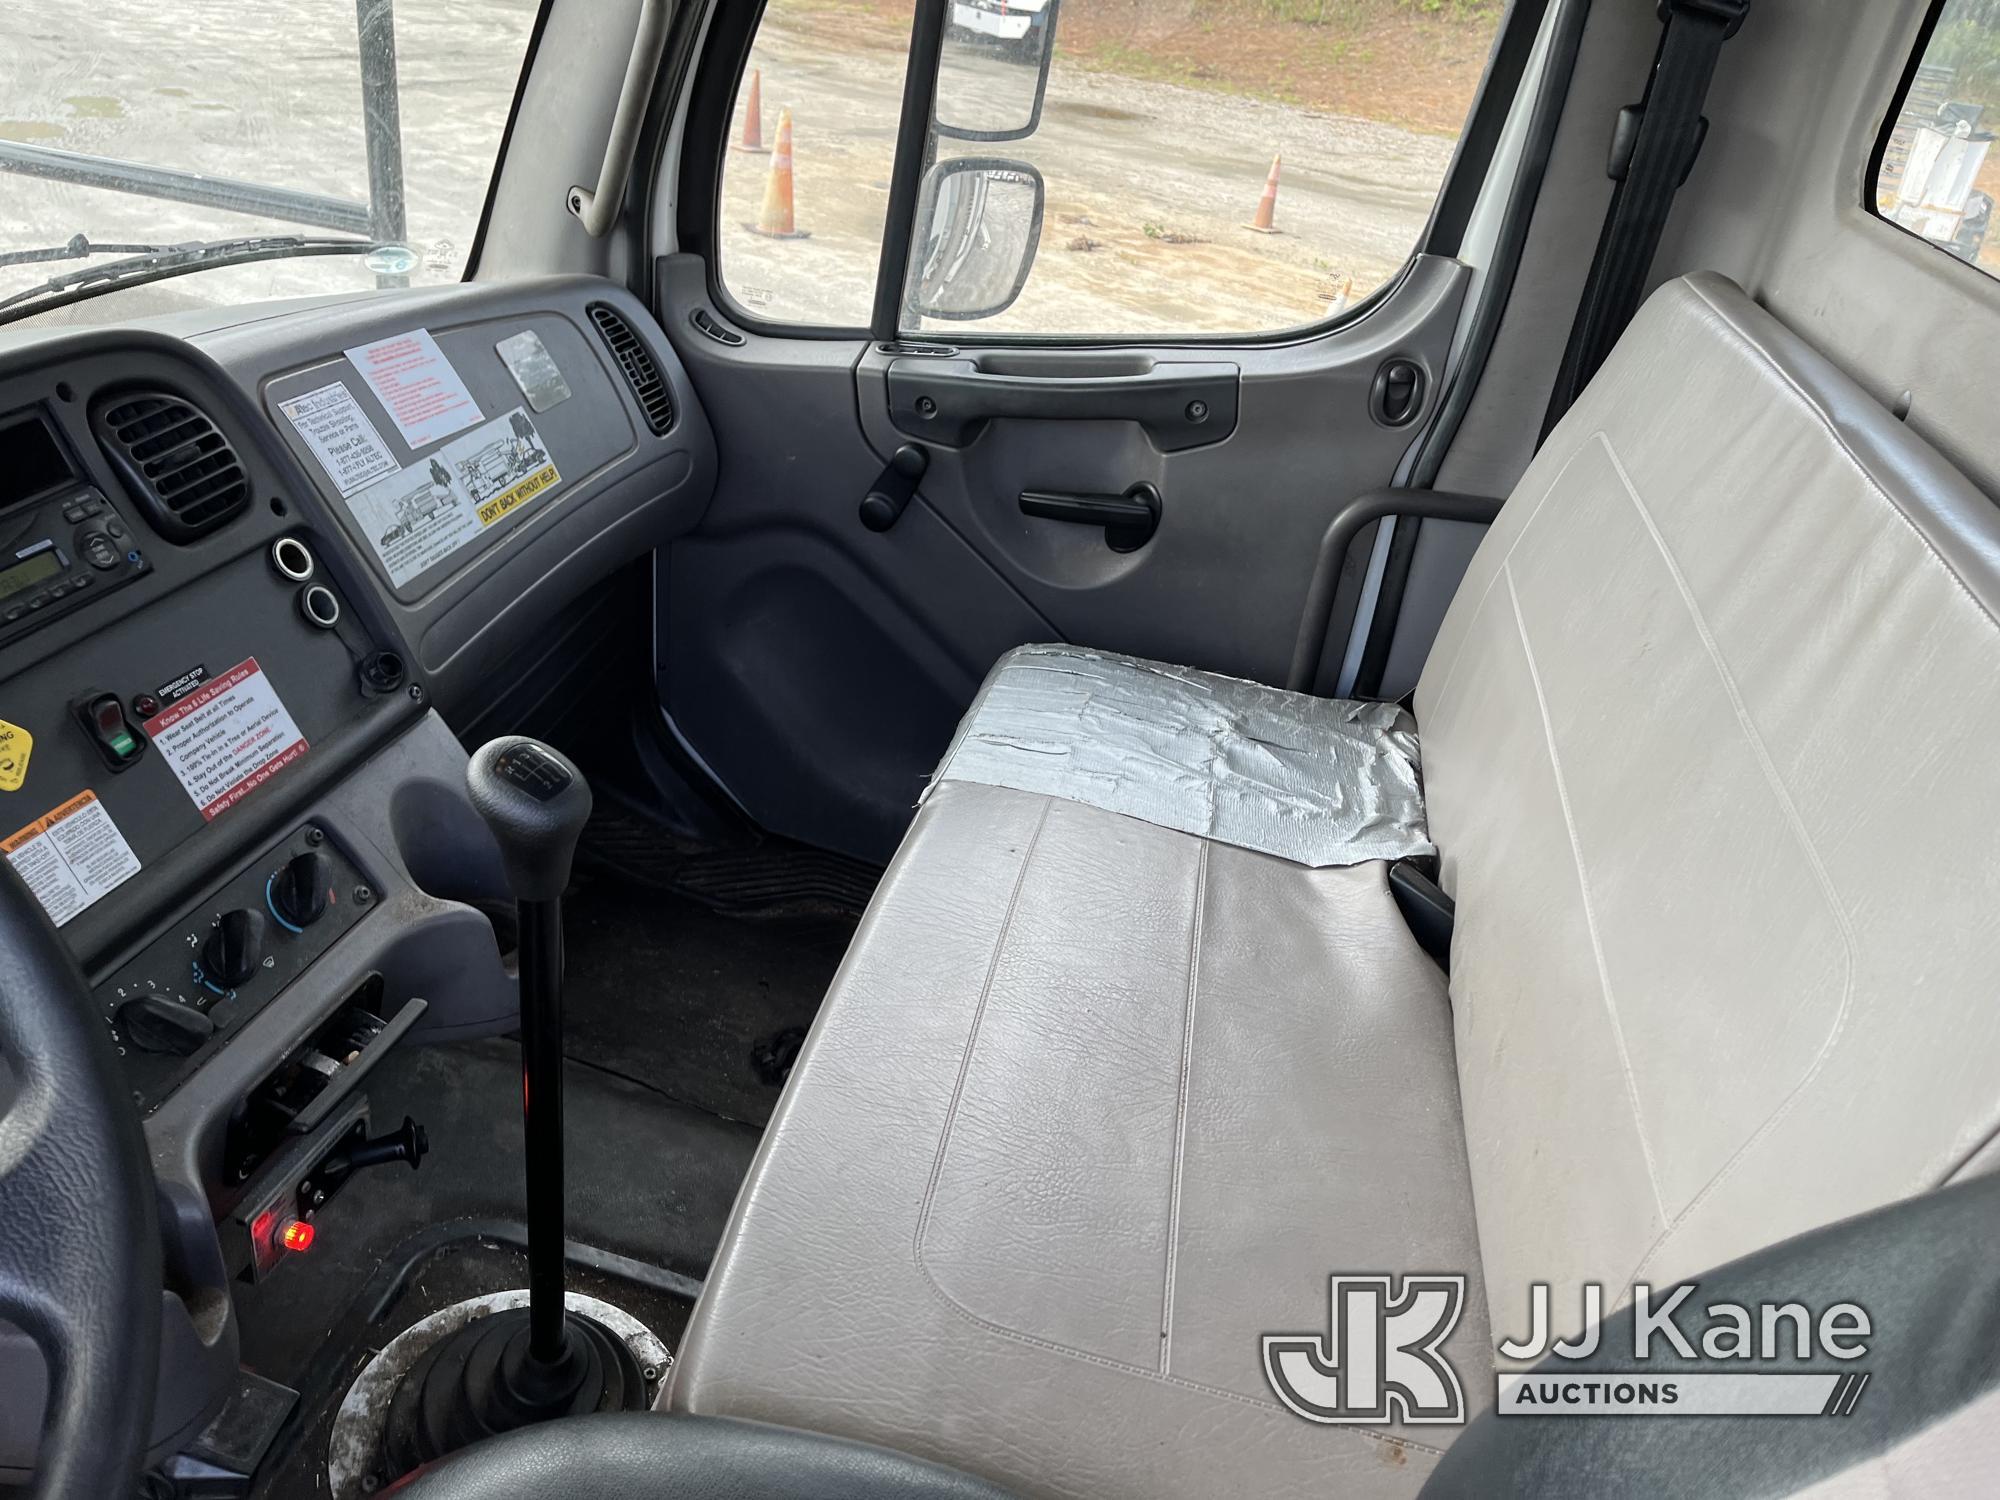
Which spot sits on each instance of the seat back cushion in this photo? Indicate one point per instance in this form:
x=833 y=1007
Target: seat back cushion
x=1710 y=741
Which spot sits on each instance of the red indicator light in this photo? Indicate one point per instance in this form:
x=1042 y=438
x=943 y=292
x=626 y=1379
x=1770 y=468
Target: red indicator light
x=297 y=1236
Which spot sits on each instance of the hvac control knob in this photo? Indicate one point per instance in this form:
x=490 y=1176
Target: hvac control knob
x=233 y=949
x=153 y=1023
x=298 y=892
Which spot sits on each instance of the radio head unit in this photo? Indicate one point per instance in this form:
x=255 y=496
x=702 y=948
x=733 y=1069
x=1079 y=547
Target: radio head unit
x=62 y=543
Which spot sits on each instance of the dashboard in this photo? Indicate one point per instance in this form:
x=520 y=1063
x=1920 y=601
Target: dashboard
x=247 y=562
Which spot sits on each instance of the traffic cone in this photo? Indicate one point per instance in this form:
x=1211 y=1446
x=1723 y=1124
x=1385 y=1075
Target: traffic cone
x=1267 y=206
x=775 y=221
x=753 y=116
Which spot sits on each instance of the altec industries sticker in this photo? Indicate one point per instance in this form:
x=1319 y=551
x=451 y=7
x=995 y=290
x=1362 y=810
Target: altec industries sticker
x=71 y=856
x=227 y=738
x=421 y=515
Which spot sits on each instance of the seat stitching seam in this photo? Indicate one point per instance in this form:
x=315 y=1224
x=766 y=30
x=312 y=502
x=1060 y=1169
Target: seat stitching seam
x=1828 y=893
x=1465 y=639
x=978 y=1015
x=1742 y=338
x=937 y=1169
x=1181 y=1105
x=1589 y=907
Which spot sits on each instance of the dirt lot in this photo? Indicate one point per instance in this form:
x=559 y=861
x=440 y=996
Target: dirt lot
x=1161 y=123
x=1150 y=185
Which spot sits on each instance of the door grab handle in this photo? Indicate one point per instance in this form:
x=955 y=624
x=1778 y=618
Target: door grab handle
x=889 y=496
x=1180 y=404
x=598 y=207
x=1129 y=520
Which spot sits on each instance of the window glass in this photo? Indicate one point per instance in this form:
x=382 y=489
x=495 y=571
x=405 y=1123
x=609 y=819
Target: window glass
x=800 y=235
x=149 y=92
x=1222 y=166
x=1939 y=173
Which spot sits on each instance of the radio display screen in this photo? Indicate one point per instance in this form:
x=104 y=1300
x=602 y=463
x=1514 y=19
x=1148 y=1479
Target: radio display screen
x=31 y=460
x=26 y=574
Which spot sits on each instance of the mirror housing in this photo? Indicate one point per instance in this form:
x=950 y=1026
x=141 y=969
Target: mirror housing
x=979 y=224
x=993 y=68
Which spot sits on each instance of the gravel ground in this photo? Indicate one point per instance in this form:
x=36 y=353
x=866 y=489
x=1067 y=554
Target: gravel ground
x=1149 y=188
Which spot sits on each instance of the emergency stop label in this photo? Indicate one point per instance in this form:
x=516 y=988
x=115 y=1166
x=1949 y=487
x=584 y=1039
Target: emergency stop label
x=227 y=738
x=422 y=514
x=71 y=856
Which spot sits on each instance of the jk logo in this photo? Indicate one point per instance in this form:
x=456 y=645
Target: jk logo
x=1380 y=1360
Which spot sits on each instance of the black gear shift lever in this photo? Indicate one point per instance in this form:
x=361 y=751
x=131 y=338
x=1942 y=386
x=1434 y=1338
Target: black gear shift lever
x=511 y=1368
x=536 y=803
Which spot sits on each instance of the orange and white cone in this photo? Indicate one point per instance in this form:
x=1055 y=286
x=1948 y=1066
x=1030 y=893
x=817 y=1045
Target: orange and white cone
x=753 y=116
x=776 y=220
x=1267 y=206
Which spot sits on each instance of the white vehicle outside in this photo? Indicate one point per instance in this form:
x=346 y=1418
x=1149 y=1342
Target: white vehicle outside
x=1003 y=20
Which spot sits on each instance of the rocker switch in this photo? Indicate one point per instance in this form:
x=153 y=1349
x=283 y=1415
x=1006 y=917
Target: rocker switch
x=117 y=740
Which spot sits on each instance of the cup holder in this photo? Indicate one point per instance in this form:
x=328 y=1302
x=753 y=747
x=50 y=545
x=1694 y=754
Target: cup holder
x=292 y=559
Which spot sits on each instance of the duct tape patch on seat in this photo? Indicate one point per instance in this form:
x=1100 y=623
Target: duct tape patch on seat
x=1314 y=780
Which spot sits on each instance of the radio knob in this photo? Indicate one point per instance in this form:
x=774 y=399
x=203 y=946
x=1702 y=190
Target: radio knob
x=153 y=1023
x=233 y=949
x=298 y=894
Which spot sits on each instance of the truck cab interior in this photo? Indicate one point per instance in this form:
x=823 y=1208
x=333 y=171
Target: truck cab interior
x=825 y=817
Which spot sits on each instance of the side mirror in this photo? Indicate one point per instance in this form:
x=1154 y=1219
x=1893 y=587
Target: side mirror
x=993 y=68
x=979 y=223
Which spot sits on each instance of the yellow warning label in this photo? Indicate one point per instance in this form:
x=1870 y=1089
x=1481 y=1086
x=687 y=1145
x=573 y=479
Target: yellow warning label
x=518 y=494
x=16 y=745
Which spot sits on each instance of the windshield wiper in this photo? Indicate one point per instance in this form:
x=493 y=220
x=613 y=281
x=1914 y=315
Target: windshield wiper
x=77 y=247
x=156 y=262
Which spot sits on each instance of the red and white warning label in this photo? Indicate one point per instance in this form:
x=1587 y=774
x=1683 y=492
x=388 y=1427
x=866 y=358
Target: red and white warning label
x=71 y=856
x=227 y=737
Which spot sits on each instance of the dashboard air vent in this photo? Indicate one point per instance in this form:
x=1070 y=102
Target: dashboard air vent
x=637 y=362
x=180 y=467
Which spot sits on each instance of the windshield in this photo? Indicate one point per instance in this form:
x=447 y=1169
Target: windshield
x=150 y=124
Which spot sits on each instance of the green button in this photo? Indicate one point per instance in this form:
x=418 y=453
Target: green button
x=123 y=745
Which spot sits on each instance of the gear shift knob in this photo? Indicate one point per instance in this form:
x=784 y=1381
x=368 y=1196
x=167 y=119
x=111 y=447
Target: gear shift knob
x=536 y=802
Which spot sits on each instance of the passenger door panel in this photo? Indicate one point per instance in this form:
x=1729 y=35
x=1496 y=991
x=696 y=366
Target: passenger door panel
x=818 y=667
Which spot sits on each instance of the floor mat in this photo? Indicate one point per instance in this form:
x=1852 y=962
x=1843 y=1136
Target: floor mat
x=769 y=878
x=704 y=1008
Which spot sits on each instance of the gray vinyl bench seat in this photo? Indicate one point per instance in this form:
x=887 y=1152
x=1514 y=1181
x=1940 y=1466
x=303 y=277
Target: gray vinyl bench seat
x=1095 y=1103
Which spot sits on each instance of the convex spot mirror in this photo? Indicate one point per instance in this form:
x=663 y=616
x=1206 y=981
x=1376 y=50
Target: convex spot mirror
x=979 y=224
x=993 y=68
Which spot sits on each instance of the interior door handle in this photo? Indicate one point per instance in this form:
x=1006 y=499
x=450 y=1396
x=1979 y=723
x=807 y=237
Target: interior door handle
x=1129 y=520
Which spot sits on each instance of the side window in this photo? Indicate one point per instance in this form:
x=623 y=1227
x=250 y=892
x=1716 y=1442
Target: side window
x=1936 y=173
x=812 y=143
x=1233 y=166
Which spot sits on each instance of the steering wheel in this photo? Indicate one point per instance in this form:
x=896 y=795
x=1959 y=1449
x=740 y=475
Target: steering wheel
x=79 y=1232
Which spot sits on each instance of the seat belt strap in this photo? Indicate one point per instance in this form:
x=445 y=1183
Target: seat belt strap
x=1652 y=153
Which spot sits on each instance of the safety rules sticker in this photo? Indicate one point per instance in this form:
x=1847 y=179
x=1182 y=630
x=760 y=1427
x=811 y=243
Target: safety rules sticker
x=227 y=737
x=71 y=856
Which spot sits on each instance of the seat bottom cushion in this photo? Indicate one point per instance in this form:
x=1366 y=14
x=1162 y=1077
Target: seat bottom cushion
x=1090 y=1108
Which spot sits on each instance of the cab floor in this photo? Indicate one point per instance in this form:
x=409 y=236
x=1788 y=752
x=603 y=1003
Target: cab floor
x=668 y=1007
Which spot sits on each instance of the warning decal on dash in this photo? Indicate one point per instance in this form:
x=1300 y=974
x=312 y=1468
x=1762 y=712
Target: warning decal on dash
x=227 y=738
x=71 y=856
x=419 y=516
